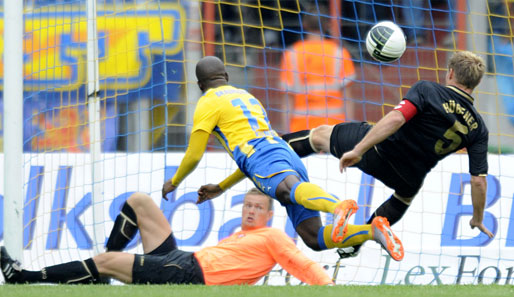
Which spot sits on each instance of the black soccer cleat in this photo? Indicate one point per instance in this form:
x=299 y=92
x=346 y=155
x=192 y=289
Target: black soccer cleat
x=11 y=269
x=349 y=252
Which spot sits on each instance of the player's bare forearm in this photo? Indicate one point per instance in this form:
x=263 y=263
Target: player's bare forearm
x=478 y=195
x=383 y=129
x=478 y=198
x=208 y=192
x=211 y=191
x=389 y=124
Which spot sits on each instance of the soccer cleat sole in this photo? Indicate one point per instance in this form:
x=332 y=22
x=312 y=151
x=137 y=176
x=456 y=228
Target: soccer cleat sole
x=342 y=213
x=383 y=234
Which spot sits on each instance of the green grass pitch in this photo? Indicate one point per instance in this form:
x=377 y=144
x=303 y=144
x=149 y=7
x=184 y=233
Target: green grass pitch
x=247 y=291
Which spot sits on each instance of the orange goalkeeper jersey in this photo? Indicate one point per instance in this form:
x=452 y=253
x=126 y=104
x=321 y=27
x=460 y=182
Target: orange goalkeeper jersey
x=246 y=256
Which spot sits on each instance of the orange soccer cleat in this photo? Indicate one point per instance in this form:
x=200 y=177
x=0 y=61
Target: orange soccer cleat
x=383 y=234
x=342 y=213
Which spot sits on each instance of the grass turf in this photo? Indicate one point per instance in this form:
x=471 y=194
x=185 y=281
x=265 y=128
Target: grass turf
x=247 y=291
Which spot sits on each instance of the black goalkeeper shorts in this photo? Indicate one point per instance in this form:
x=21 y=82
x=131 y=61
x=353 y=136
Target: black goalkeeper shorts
x=173 y=267
x=344 y=138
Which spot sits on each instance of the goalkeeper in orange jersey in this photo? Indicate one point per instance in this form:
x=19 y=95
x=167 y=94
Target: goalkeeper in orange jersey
x=242 y=258
x=241 y=125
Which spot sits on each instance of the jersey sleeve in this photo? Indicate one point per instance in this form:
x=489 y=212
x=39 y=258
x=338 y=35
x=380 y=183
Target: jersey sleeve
x=286 y=254
x=416 y=95
x=206 y=115
x=407 y=109
x=477 y=154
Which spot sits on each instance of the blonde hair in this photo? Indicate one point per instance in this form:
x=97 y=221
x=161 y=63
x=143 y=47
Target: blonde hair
x=255 y=191
x=468 y=68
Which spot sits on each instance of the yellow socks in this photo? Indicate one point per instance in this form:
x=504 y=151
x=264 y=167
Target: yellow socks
x=313 y=197
x=356 y=234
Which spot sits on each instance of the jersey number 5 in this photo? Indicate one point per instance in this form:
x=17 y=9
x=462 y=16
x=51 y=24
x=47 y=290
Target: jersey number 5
x=451 y=134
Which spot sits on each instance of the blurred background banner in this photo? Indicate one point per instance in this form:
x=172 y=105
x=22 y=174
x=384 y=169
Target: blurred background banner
x=140 y=55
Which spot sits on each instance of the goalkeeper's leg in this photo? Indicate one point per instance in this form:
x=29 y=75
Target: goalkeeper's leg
x=139 y=212
x=75 y=272
x=115 y=264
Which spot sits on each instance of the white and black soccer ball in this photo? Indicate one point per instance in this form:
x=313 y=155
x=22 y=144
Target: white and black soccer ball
x=386 y=42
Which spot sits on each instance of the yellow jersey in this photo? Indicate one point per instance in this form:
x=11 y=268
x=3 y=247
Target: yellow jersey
x=234 y=116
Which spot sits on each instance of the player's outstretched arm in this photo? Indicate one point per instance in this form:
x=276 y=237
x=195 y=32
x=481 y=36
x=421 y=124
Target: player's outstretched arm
x=285 y=252
x=212 y=191
x=383 y=129
x=478 y=196
x=197 y=144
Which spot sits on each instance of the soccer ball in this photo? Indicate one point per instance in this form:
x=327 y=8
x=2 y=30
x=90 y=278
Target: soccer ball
x=386 y=42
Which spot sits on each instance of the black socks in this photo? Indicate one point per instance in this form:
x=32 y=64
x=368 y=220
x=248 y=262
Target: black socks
x=125 y=227
x=300 y=142
x=76 y=272
x=393 y=209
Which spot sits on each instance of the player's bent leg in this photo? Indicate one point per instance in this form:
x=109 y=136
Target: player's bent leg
x=312 y=196
x=383 y=234
x=124 y=229
x=393 y=209
x=153 y=226
x=355 y=235
x=308 y=230
x=320 y=138
x=300 y=142
x=117 y=265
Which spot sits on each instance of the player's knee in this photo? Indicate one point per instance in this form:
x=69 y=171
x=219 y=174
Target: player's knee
x=405 y=200
x=139 y=199
x=312 y=243
x=308 y=230
x=102 y=262
x=320 y=137
x=283 y=192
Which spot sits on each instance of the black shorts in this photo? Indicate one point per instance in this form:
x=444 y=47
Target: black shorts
x=173 y=267
x=344 y=138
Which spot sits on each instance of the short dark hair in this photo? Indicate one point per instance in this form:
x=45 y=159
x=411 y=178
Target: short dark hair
x=255 y=191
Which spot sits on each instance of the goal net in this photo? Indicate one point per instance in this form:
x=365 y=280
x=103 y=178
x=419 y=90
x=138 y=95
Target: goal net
x=147 y=91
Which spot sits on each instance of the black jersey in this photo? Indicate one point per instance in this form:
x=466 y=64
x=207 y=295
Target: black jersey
x=446 y=121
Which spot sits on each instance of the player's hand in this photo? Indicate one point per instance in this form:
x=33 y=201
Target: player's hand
x=167 y=188
x=474 y=223
x=208 y=192
x=348 y=159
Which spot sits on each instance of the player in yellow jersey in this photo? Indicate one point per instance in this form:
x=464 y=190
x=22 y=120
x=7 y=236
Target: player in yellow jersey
x=240 y=123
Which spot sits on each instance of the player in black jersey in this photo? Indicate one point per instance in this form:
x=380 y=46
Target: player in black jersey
x=431 y=122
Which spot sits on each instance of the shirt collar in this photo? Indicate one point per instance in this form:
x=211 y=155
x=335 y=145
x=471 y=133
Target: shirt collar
x=462 y=93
